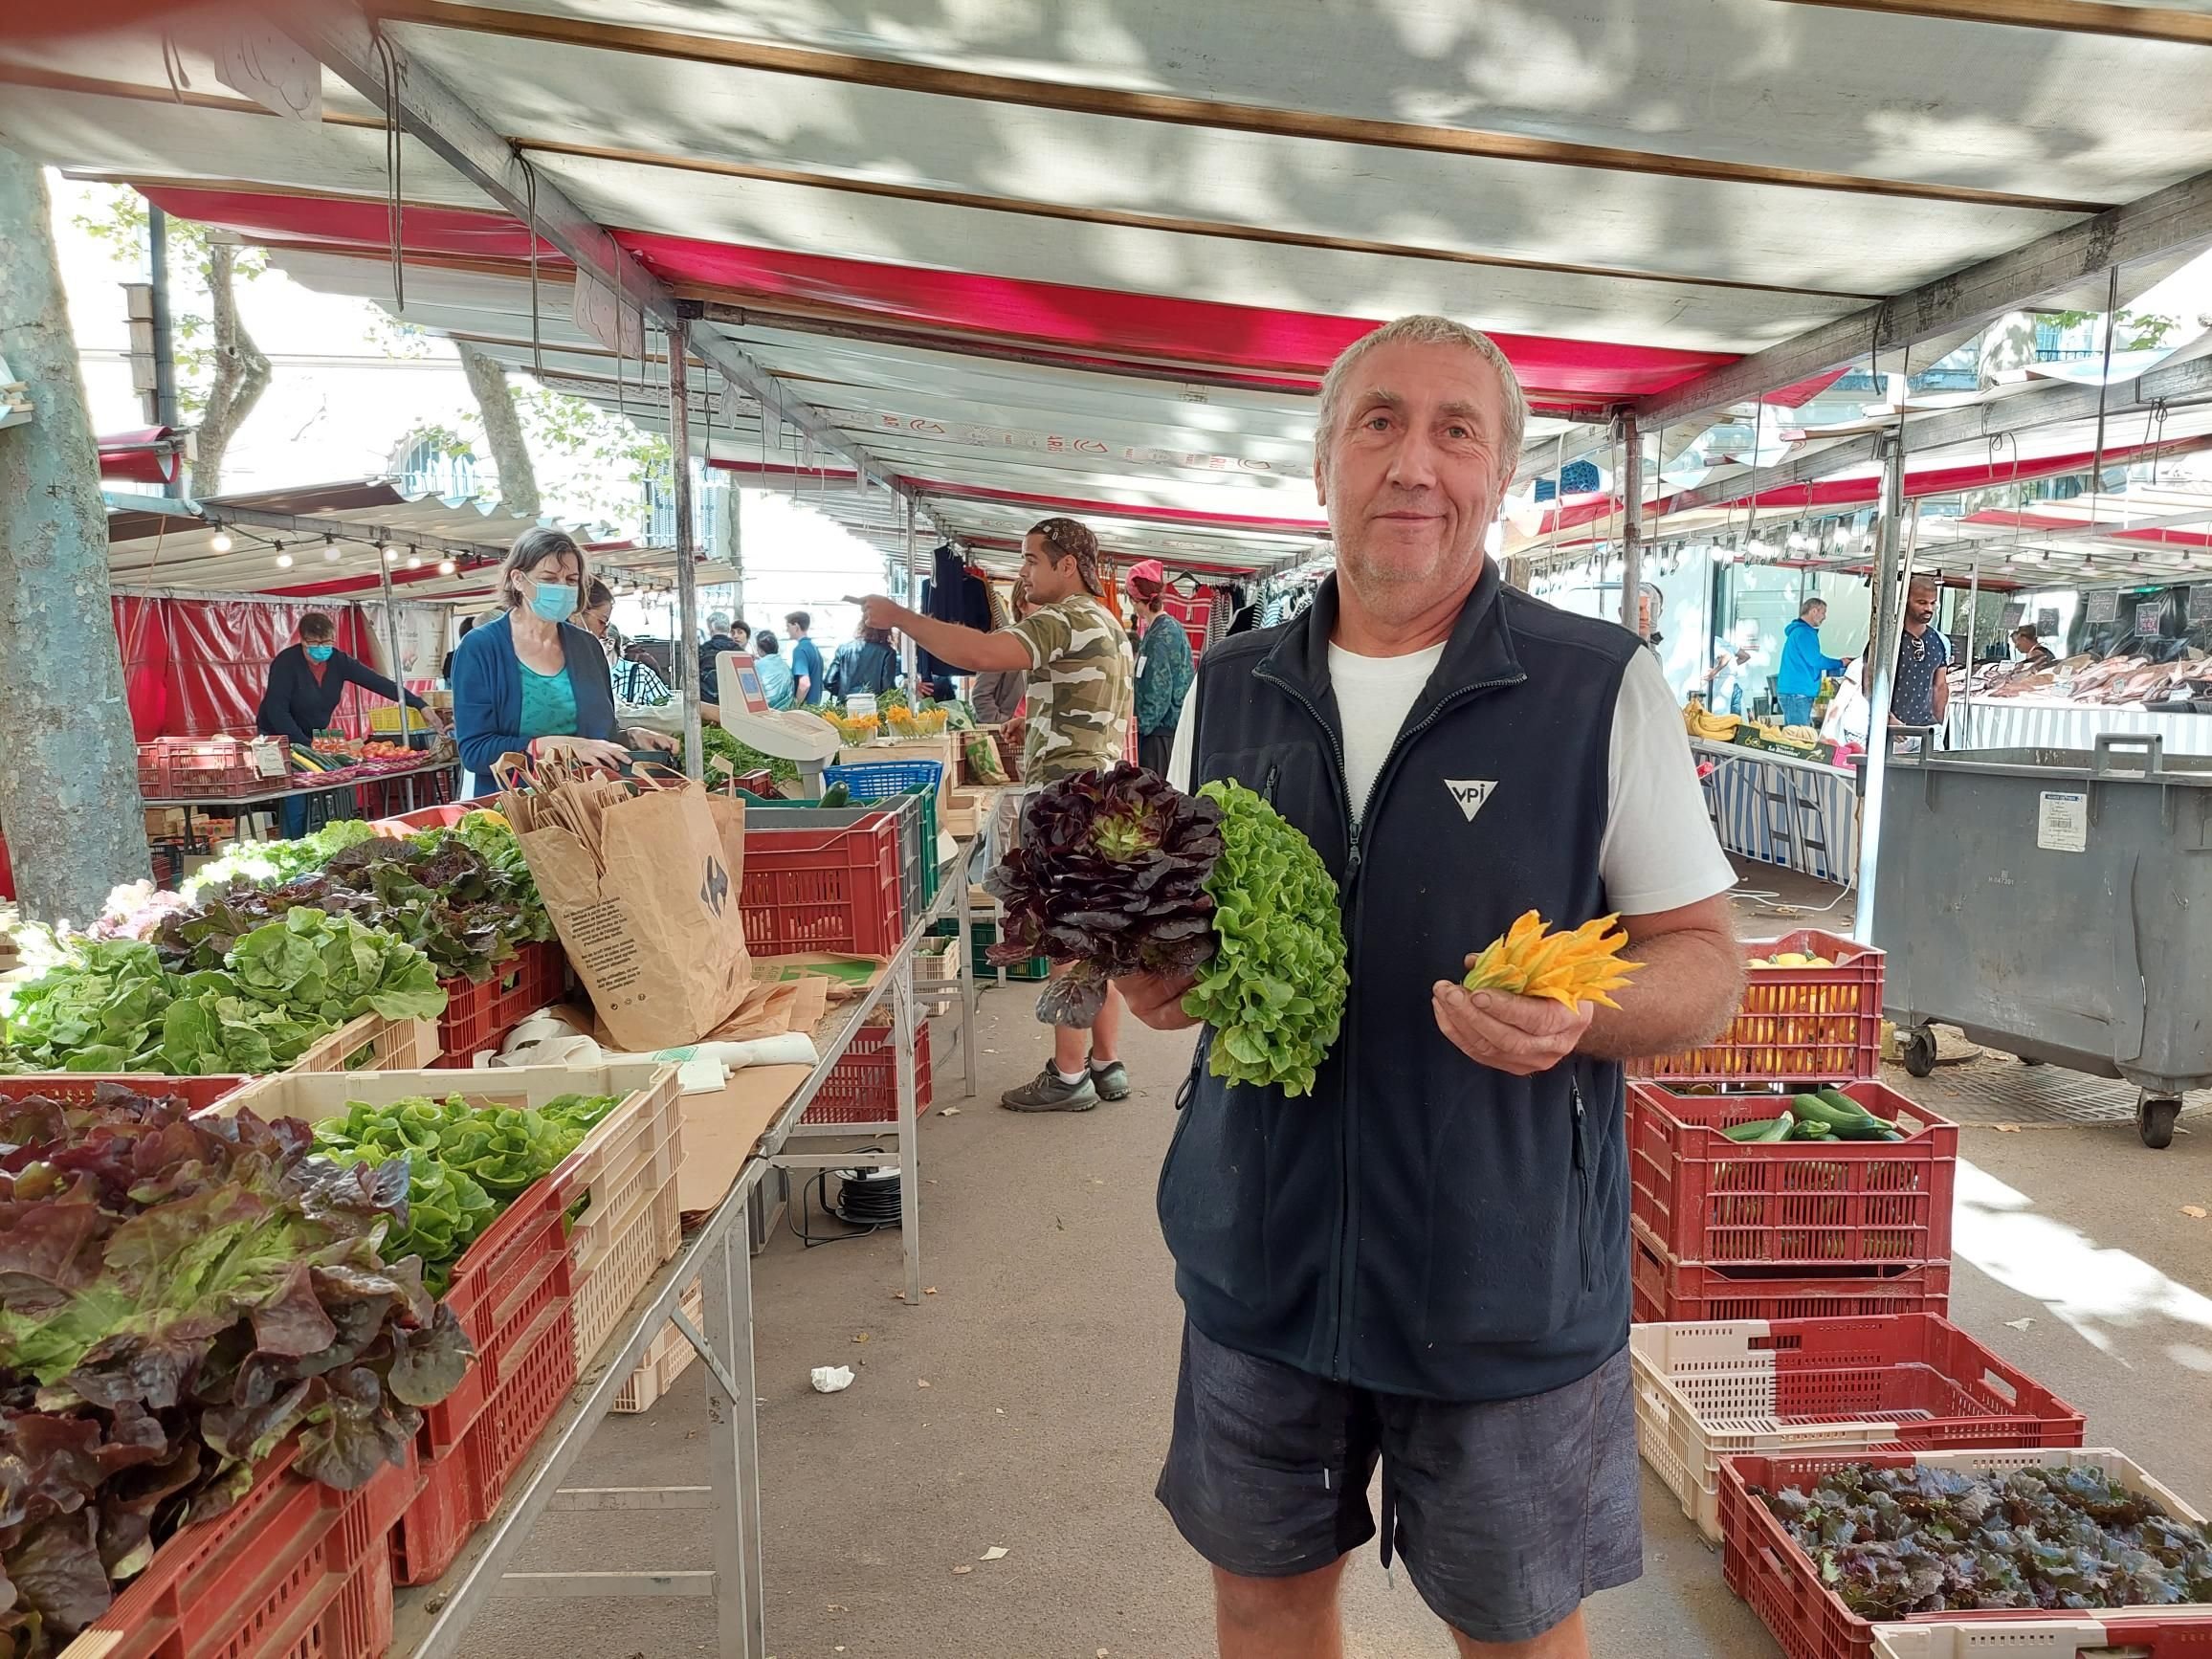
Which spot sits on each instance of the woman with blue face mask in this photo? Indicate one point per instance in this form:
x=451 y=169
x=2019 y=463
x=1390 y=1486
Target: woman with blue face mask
x=531 y=680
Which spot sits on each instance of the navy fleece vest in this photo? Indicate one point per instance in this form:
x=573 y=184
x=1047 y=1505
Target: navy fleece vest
x=1420 y=1224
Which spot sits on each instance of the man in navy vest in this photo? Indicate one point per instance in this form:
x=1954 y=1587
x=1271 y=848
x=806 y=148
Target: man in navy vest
x=1426 y=1263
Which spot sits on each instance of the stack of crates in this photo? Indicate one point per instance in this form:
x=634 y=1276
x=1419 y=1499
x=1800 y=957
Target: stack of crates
x=1725 y=1229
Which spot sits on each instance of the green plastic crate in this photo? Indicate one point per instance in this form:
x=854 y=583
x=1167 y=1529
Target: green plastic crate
x=986 y=934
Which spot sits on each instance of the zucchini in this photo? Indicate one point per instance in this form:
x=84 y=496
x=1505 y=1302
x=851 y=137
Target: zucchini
x=1826 y=1112
x=1866 y=1129
x=1843 y=1102
x=1779 y=1130
x=1749 y=1132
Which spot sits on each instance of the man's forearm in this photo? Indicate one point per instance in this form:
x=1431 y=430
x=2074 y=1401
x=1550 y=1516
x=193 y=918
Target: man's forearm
x=970 y=650
x=1690 y=985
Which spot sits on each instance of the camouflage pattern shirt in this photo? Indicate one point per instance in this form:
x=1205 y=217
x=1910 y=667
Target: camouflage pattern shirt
x=1082 y=678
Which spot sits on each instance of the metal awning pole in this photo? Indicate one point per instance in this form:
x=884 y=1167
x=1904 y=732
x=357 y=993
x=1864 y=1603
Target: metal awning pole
x=906 y=655
x=687 y=599
x=1882 y=652
x=1632 y=525
x=391 y=640
x=1973 y=617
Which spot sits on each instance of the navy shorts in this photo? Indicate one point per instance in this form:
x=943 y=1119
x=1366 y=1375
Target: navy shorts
x=1509 y=1513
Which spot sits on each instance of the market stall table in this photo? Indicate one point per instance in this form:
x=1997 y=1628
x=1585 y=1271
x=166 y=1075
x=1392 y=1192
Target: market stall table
x=428 y=782
x=431 y=1620
x=1779 y=810
x=2049 y=723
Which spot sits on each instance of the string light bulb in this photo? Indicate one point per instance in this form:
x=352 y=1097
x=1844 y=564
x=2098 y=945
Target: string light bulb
x=415 y=559
x=283 y=560
x=221 y=541
x=330 y=552
x=445 y=567
x=391 y=555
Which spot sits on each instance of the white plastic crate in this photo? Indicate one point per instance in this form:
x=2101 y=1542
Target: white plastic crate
x=667 y=1358
x=937 y=974
x=2052 y=1636
x=1702 y=1395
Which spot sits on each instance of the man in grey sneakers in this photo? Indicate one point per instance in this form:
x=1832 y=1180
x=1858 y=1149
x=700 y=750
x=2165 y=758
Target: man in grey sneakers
x=1081 y=690
x=1425 y=1264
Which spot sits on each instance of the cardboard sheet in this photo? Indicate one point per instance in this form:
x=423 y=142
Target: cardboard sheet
x=720 y=1131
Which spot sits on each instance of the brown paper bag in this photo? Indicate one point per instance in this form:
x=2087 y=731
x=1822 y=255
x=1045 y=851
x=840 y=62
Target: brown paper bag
x=647 y=907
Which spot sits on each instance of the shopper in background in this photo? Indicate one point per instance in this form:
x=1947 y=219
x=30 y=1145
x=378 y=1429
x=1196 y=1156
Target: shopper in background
x=306 y=682
x=1163 y=665
x=637 y=682
x=1921 y=691
x=1081 y=693
x=446 y=667
x=863 y=663
x=596 y=616
x=1797 y=682
x=529 y=680
x=807 y=673
x=719 y=638
x=996 y=695
x=776 y=680
x=1724 y=680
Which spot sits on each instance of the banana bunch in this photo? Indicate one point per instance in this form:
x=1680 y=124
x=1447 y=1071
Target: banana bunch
x=1532 y=960
x=1715 y=728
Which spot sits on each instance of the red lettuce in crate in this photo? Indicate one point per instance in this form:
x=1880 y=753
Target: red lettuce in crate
x=1111 y=876
x=177 y=1295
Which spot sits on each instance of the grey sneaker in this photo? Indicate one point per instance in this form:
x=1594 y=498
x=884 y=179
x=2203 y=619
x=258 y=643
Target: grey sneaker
x=1046 y=1092
x=1111 y=1080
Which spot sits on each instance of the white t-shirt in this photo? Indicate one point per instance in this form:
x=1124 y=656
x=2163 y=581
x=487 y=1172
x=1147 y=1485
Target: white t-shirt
x=1658 y=852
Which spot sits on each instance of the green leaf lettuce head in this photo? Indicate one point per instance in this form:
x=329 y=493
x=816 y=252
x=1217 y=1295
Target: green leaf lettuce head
x=177 y=1295
x=466 y=1164
x=1275 y=991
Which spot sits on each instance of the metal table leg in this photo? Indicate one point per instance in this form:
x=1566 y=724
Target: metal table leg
x=734 y=1448
x=967 y=985
x=908 y=1161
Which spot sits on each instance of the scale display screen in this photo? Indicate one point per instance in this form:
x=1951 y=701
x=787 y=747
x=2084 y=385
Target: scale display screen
x=743 y=672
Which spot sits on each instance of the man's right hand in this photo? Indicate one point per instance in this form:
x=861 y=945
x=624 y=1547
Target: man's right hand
x=1157 y=1000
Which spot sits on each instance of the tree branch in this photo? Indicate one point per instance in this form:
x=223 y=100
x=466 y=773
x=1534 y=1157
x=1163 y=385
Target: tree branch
x=241 y=375
x=502 y=430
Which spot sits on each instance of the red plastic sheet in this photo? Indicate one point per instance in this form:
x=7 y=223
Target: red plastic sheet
x=196 y=667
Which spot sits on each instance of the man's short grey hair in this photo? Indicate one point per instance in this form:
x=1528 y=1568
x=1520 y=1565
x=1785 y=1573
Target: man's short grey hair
x=719 y=621
x=1423 y=329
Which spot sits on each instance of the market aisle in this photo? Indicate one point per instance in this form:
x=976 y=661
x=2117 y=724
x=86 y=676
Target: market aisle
x=1050 y=1355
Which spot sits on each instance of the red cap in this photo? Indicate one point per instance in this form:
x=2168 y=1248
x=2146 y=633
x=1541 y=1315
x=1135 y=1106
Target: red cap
x=1148 y=570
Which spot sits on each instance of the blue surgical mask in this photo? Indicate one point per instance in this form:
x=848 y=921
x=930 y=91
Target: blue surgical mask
x=320 y=653
x=553 y=601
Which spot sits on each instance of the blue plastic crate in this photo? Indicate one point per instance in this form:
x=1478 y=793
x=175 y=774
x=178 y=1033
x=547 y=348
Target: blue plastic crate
x=873 y=779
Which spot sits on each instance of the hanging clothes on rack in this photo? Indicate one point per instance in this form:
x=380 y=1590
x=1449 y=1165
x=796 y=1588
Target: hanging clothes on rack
x=953 y=593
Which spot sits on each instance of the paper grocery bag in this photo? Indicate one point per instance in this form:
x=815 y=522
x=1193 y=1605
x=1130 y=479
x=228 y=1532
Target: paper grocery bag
x=644 y=889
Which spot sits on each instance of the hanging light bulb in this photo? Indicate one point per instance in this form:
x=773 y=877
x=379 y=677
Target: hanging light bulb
x=415 y=559
x=391 y=555
x=220 y=541
x=330 y=551
x=283 y=560
x=446 y=567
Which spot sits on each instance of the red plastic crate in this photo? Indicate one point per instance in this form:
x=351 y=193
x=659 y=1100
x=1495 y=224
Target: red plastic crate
x=75 y=1088
x=863 y=1087
x=293 y=1570
x=1666 y=1291
x=2131 y=1633
x=504 y=1289
x=178 y=767
x=442 y=816
x=1765 y=1567
x=1706 y=1198
x=815 y=889
x=1795 y=1024
x=480 y=1016
x=463 y=1485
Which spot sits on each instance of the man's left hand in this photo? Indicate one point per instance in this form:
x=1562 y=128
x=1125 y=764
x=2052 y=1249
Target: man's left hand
x=1517 y=1035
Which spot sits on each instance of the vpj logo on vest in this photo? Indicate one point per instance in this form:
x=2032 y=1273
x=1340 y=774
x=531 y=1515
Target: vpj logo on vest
x=1471 y=793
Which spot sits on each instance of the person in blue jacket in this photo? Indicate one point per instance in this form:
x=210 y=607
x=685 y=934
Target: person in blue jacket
x=307 y=680
x=531 y=681
x=1797 y=682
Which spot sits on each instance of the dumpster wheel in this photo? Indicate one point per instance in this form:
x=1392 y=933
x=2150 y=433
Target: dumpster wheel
x=1919 y=1050
x=2155 y=1121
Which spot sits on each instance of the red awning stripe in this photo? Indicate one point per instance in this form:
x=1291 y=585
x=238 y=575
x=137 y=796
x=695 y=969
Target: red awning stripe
x=1055 y=315
x=2109 y=528
x=1074 y=504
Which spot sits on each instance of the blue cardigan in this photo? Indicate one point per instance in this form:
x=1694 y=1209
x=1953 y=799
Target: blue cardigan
x=488 y=696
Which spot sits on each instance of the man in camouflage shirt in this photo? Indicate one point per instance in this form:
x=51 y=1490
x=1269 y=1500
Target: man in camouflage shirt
x=1082 y=677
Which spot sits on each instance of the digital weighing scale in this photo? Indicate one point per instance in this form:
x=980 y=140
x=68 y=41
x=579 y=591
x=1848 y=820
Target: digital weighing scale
x=787 y=734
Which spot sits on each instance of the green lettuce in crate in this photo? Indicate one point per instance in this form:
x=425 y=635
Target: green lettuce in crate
x=466 y=1164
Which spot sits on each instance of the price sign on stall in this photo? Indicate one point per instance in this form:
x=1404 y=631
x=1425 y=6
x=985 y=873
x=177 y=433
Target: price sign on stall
x=2047 y=620
x=2201 y=602
x=2150 y=615
x=2015 y=614
x=2103 y=606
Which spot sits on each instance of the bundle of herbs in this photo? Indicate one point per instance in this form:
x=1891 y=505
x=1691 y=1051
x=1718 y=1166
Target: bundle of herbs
x=1921 y=1539
x=179 y=1295
x=1119 y=873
